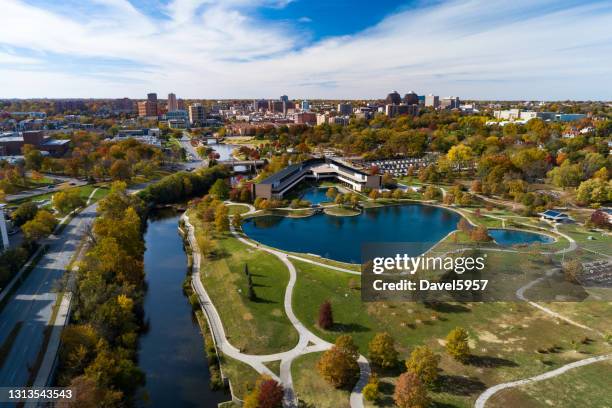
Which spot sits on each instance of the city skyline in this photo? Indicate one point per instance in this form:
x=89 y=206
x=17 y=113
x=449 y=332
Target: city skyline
x=261 y=49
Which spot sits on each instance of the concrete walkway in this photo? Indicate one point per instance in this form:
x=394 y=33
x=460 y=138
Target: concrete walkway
x=485 y=396
x=308 y=342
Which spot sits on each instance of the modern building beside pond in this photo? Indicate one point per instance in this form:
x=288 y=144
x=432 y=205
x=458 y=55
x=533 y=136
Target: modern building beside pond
x=281 y=182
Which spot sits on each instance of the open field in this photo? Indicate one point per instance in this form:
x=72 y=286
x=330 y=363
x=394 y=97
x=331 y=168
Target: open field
x=508 y=340
x=587 y=386
x=259 y=326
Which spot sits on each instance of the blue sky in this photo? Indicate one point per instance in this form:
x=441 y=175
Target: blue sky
x=481 y=49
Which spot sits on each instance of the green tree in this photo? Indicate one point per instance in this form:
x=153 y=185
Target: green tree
x=24 y=213
x=566 y=175
x=220 y=189
x=457 y=344
x=382 y=352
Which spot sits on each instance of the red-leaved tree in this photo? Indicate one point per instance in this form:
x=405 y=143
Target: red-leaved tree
x=326 y=318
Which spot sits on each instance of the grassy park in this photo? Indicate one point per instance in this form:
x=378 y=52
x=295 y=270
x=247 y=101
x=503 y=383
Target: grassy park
x=257 y=326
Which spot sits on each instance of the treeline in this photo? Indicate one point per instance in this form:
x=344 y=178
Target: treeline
x=93 y=157
x=183 y=185
x=99 y=347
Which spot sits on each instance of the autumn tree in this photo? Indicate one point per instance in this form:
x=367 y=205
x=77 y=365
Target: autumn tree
x=410 y=392
x=24 y=213
x=338 y=365
x=381 y=350
x=331 y=193
x=424 y=364
x=480 y=234
x=371 y=390
x=572 y=270
x=374 y=194
x=67 y=201
x=326 y=319
x=267 y=393
x=40 y=226
x=457 y=344
x=121 y=170
x=221 y=218
x=237 y=220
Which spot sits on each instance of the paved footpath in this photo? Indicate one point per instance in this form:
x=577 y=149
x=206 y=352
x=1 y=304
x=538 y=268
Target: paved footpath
x=484 y=397
x=308 y=342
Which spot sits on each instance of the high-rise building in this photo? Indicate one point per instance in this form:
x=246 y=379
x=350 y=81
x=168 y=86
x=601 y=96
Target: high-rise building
x=284 y=98
x=147 y=108
x=451 y=102
x=152 y=97
x=197 y=114
x=432 y=100
x=411 y=98
x=402 y=109
x=275 y=106
x=345 y=109
x=306 y=118
x=393 y=98
x=305 y=105
x=172 y=103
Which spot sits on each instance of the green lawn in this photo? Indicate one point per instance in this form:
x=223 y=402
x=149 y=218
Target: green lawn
x=341 y=211
x=260 y=326
x=237 y=209
x=241 y=376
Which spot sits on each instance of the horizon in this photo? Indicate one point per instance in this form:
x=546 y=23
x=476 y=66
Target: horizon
x=478 y=50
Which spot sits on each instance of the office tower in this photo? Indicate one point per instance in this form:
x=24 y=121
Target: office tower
x=172 y=103
x=411 y=98
x=197 y=114
x=345 y=109
x=432 y=101
x=393 y=98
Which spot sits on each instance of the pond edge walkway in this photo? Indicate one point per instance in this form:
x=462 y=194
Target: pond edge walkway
x=308 y=342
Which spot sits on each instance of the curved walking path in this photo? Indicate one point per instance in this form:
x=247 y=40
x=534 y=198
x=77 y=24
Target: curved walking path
x=308 y=342
x=484 y=397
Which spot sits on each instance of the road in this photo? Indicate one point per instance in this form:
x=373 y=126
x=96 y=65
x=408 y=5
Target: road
x=33 y=301
x=65 y=182
x=195 y=163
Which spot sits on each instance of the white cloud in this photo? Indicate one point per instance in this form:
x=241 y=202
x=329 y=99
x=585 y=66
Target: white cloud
x=215 y=49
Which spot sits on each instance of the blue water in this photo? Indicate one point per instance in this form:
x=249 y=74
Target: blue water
x=172 y=351
x=508 y=237
x=315 y=195
x=340 y=238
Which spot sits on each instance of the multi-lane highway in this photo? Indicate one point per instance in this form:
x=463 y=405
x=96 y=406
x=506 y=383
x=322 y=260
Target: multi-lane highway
x=33 y=301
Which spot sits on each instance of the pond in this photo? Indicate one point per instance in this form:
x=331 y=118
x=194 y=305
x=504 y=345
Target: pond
x=340 y=238
x=224 y=150
x=316 y=195
x=508 y=237
x=171 y=352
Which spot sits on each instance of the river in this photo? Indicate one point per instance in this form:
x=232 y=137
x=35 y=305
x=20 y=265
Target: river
x=172 y=351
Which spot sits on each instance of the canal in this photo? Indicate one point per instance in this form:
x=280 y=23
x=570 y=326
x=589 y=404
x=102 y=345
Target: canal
x=172 y=350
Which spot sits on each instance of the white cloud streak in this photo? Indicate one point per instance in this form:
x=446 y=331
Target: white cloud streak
x=215 y=49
